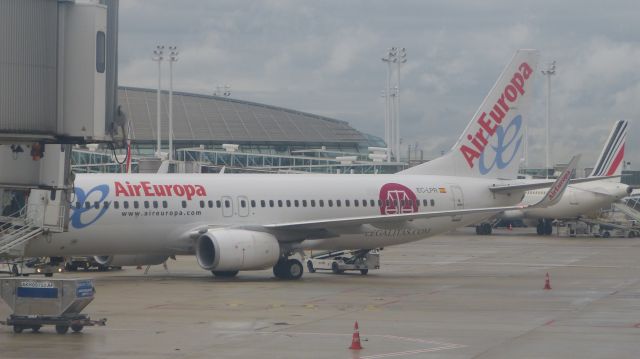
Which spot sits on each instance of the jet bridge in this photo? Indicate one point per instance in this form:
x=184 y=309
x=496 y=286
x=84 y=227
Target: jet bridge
x=58 y=71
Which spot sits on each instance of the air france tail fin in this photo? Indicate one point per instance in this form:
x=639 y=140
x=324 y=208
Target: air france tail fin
x=491 y=145
x=610 y=161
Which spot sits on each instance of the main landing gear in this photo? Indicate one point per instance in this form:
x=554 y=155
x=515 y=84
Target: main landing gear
x=288 y=268
x=544 y=227
x=483 y=229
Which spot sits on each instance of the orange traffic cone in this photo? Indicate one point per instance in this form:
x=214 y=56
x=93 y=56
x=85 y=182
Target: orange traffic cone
x=355 y=340
x=547 y=282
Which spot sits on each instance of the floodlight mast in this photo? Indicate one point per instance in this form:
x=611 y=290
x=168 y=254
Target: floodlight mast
x=158 y=57
x=401 y=59
x=389 y=58
x=551 y=70
x=173 y=57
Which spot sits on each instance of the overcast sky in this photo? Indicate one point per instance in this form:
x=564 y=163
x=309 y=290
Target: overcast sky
x=324 y=57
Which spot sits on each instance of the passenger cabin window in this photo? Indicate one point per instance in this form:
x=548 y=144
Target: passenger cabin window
x=313 y=203
x=355 y=203
x=155 y=204
x=218 y=204
x=116 y=204
x=201 y=204
x=425 y=202
x=227 y=203
x=279 y=203
x=330 y=203
x=372 y=203
x=253 y=204
x=263 y=203
x=433 y=203
x=304 y=203
x=105 y=204
x=288 y=203
x=346 y=203
x=96 y=204
x=184 y=204
x=146 y=204
x=165 y=204
x=210 y=203
x=243 y=203
x=271 y=203
x=126 y=204
x=87 y=205
x=296 y=203
x=135 y=204
x=321 y=203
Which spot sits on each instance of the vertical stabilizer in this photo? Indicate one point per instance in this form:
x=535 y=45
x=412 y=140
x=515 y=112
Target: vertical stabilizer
x=610 y=161
x=491 y=146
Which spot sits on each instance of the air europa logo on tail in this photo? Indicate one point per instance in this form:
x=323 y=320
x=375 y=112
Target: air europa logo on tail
x=145 y=188
x=489 y=125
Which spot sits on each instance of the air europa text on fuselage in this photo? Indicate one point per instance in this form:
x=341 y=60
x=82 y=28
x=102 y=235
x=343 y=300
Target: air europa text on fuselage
x=488 y=125
x=147 y=189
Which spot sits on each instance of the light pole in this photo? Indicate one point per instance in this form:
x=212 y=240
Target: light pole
x=401 y=59
x=551 y=70
x=389 y=58
x=158 y=56
x=173 y=57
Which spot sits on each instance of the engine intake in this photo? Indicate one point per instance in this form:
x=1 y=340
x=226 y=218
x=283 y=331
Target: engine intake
x=237 y=249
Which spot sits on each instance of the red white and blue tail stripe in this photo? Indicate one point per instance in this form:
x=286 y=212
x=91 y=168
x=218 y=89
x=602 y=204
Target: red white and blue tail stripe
x=610 y=161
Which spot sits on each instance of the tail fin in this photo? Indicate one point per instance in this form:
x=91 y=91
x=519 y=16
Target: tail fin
x=491 y=145
x=610 y=161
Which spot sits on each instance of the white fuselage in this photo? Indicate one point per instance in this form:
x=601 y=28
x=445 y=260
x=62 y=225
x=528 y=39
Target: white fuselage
x=142 y=213
x=579 y=199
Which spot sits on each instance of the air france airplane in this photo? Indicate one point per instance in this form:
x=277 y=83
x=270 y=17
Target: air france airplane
x=579 y=198
x=257 y=221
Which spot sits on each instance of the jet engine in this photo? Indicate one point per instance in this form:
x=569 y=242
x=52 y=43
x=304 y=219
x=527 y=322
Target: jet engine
x=130 y=260
x=236 y=249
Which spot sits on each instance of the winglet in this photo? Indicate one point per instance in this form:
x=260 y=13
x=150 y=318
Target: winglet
x=558 y=187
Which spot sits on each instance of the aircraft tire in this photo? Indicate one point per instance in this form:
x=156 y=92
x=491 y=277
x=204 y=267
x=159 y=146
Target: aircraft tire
x=364 y=271
x=540 y=228
x=294 y=269
x=548 y=227
x=487 y=228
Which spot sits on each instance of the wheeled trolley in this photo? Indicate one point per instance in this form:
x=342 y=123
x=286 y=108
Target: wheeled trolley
x=57 y=302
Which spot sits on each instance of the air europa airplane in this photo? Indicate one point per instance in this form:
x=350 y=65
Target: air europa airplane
x=250 y=222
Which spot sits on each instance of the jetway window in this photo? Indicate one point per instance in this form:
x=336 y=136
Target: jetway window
x=184 y=204
x=100 y=51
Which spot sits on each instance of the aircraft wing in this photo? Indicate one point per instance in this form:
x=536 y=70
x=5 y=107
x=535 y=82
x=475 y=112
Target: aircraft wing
x=553 y=196
x=384 y=219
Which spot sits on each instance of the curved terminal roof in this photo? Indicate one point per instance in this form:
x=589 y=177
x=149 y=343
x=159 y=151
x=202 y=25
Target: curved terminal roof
x=221 y=119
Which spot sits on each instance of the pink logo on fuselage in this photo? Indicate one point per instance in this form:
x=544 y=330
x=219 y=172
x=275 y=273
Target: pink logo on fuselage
x=397 y=199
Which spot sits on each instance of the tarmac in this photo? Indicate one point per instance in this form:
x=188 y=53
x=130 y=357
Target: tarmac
x=453 y=296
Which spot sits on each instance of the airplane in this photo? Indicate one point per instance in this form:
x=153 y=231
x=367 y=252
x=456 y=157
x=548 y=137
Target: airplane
x=580 y=198
x=257 y=221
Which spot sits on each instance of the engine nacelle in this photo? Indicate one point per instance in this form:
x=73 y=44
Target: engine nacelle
x=123 y=260
x=237 y=249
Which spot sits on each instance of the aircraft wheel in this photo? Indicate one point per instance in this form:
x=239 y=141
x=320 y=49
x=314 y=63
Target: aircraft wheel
x=288 y=269
x=18 y=328
x=548 y=227
x=540 y=228
x=606 y=234
x=364 y=271
x=479 y=229
x=487 y=228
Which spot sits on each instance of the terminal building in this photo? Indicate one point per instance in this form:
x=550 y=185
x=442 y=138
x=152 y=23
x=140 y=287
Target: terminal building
x=214 y=132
